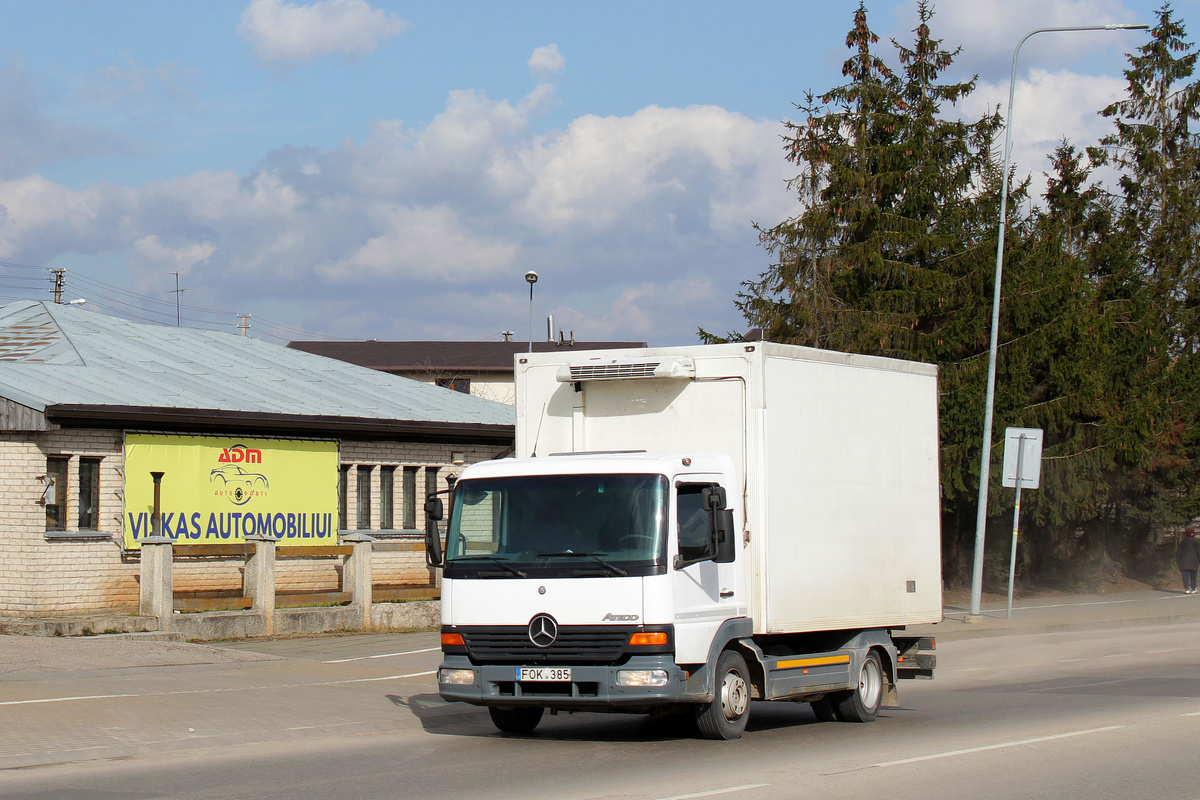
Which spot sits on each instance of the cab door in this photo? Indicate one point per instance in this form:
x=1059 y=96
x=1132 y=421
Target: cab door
x=704 y=591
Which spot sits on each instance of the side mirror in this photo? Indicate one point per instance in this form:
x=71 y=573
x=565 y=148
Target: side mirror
x=724 y=537
x=433 y=544
x=713 y=498
x=433 y=537
x=433 y=508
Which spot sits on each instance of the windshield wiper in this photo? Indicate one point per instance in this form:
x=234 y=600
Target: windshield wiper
x=613 y=568
x=500 y=562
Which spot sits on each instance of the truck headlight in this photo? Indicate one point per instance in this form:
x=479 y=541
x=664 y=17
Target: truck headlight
x=456 y=677
x=642 y=677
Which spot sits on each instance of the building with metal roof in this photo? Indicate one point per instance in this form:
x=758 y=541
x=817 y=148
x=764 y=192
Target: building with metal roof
x=482 y=369
x=98 y=416
x=79 y=367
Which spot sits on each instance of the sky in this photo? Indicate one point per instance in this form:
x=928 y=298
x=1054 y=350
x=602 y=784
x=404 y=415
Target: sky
x=377 y=169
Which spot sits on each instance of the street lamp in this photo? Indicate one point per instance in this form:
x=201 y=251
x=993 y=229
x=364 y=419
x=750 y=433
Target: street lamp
x=986 y=457
x=531 y=276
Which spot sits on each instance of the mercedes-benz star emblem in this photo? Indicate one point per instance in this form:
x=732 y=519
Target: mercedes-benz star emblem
x=543 y=630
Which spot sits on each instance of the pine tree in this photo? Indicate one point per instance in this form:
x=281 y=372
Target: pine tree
x=1157 y=292
x=889 y=254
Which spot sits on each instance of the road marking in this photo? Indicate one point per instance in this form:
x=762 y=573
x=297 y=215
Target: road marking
x=372 y=680
x=382 y=655
x=1193 y=714
x=715 y=792
x=61 y=699
x=1119 y=655
x=997 y=746
x=327 y=725
x=213 y=691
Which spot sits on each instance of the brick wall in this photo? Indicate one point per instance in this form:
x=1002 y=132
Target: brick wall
x=45 y=574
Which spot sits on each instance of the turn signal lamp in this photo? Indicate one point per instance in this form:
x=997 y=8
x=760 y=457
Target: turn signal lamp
x=453 y=640
x=648 y=638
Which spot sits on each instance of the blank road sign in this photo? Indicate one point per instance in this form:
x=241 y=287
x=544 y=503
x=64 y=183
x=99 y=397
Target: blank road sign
x=1031 y=461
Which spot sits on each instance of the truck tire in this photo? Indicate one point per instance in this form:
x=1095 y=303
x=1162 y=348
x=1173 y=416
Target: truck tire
x=522 y=719
x=725 y=717
x=862 y=704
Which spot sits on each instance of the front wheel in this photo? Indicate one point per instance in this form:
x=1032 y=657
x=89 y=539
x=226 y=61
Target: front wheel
x=726 y=716
x=516 y=720
x=862 y=704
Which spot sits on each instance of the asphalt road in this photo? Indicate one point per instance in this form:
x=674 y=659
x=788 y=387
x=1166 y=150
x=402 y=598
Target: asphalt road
x=1092 y=714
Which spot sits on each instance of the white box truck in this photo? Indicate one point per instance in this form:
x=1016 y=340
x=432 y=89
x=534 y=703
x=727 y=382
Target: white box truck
x=687 y=529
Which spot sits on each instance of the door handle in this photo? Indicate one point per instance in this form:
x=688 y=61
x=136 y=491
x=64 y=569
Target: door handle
x=726 y=593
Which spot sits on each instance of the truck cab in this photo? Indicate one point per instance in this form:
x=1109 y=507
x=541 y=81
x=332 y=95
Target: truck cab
x=588 y=581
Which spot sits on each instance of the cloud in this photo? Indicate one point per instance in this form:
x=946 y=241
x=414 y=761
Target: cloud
x=546 y=61
x=285 y=35
x=1048 y=106
x=141 y=90
x=636 y=312
x=30 y=140
x=674 y=170
x=610 y=211
x=989 y=30
x=424 y=244
x=149 y=254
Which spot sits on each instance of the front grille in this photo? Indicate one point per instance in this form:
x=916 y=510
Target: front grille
x=598 y=644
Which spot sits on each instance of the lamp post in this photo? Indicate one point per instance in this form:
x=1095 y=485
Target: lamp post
x=531 y=276
x=986 y=457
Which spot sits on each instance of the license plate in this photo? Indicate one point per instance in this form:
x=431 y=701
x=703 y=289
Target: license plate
x=543 y=673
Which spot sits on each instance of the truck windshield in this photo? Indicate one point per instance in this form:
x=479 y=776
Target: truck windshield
x=558 y=526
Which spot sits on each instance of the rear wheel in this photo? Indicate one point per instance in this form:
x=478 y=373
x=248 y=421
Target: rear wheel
x=516 y=720
x=725 y=717
x=862 y=704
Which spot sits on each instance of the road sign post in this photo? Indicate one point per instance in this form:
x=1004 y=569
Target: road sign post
x=1022 y=469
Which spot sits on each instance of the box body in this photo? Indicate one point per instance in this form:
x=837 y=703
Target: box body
x=835 y=458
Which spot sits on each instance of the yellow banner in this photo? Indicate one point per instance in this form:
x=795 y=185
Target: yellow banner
x=220 y=489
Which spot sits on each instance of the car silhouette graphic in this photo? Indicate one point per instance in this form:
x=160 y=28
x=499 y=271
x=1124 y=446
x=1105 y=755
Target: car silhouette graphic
x=240 y=483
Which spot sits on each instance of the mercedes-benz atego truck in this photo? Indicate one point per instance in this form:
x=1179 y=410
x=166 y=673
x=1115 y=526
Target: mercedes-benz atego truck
x=685 y=530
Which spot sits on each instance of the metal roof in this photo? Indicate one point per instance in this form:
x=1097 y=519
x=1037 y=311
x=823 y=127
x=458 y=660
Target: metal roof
x=58 y=355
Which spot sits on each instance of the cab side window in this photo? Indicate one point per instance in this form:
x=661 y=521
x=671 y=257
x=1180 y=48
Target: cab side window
x=695 y=539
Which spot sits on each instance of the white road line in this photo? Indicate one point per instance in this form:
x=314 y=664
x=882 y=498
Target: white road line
x=997 y=746
x=715 y=792
x=1115 y=655
x=1193 y=714
x=213 y=691
x=382 y=655
x=385 y=678
x=62 y=699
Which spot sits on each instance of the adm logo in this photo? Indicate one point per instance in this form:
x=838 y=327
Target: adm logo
x=235 y=482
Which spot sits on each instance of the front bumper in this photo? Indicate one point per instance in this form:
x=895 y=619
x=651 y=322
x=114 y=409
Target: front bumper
x=590 y=687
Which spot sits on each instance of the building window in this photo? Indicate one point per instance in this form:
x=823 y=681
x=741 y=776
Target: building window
x=410 y=497
x=457 y=384
x=364 y=498
x=89 y=494
x=56 y=494
x=343 y=491
x=387 y=479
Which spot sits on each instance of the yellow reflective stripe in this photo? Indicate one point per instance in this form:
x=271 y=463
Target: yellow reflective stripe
x=812 y=662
